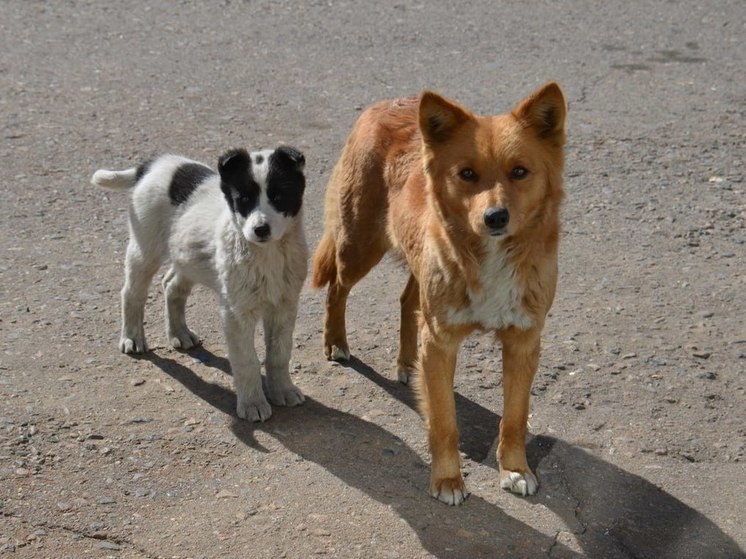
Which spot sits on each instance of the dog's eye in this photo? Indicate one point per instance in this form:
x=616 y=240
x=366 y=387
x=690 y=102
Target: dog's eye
x=468 y=174
x=518 y=173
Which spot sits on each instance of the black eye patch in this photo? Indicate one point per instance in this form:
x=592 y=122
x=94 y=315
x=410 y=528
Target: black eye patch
x=285 y=181
x=245 y=198
x=240 y=189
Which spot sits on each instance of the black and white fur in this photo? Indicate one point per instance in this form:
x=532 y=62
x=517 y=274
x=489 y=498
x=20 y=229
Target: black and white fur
x=238 y=231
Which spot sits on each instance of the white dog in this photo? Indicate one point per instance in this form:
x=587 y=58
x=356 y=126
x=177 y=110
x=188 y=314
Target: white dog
x=238 y=231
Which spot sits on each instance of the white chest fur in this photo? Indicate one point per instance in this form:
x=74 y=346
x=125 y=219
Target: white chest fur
x=497 y=304
x=254 y=278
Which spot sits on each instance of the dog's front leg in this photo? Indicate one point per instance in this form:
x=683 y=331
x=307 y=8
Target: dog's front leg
x=437 y=367
x=520 y=360
x=245 y=367
x=278 y=337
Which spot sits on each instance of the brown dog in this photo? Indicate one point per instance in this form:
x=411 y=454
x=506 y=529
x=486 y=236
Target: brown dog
x=471 y=202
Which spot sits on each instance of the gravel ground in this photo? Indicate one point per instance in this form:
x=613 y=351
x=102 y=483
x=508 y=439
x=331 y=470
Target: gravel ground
x=638 y=419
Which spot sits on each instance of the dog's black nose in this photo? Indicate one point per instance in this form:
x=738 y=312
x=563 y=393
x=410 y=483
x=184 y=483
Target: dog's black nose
x=496 y=218
x=262 y=231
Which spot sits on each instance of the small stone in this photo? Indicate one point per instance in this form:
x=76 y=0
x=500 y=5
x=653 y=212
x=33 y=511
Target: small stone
x=137 y=382
x=701 y=354
x=321 y=532
x=629 y=356
x=111 y=546
x=106 y=501
x=225 y=495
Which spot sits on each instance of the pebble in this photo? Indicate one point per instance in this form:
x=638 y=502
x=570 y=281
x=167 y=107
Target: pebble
x=111 y=546
x=106 y=501
x=137 y=382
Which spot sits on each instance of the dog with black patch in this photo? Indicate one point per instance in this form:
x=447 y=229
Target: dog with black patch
x=238 y=231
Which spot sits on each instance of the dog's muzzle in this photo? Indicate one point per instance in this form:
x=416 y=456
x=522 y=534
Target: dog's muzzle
x=496 y=220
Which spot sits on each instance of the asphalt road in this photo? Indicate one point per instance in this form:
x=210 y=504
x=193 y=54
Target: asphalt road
x=638 y=424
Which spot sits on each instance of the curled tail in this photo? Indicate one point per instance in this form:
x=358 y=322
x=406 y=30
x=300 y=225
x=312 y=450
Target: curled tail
x=116 y=180
x=324 y=261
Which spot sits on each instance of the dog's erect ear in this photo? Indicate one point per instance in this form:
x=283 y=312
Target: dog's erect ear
x=291 y=155
x=439 y=117
x=234 y=162
x=545 y=110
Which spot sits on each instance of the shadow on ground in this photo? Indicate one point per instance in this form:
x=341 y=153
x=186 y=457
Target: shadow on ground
x=615 y=514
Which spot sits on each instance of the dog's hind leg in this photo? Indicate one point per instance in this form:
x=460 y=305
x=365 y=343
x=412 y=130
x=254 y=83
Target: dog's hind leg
x=139 y=269
x=353 y=263
x=251 y=403
x=410 y=304
x=177 y=289
x=278 y=336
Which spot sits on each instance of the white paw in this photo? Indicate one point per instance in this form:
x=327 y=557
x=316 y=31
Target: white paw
x=337 y=353
x=290 y=396
x=185 y=339
x=254 y=409
x=522 y=484
x=449 y=494
x=405 y=374
x=134 y=344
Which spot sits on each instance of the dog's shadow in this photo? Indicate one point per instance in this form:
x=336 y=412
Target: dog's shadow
x=611 y=513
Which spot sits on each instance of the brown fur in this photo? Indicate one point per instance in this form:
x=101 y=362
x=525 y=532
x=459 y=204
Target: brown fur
x=403 y=182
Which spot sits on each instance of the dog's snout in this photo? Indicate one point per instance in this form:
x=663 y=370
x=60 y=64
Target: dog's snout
x=262 y=231
x=496 y=219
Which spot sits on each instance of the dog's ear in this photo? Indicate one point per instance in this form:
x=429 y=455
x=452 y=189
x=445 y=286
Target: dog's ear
x=545 y=111
x=234 y=162
x=440 y=118
x=292 y=156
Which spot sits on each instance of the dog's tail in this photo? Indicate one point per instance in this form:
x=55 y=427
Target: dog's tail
x=324 y=261
x=116 y=180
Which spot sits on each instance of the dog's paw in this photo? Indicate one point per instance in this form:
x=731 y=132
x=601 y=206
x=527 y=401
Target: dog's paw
x=185 y=339
x=254 y=409
x=133 y=345
x=522 y=483
x=289 y=396
x=336 y=352
x=452 y=491
x=405 y=374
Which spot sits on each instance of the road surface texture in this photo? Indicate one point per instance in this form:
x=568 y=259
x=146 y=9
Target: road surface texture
x=638 y=425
